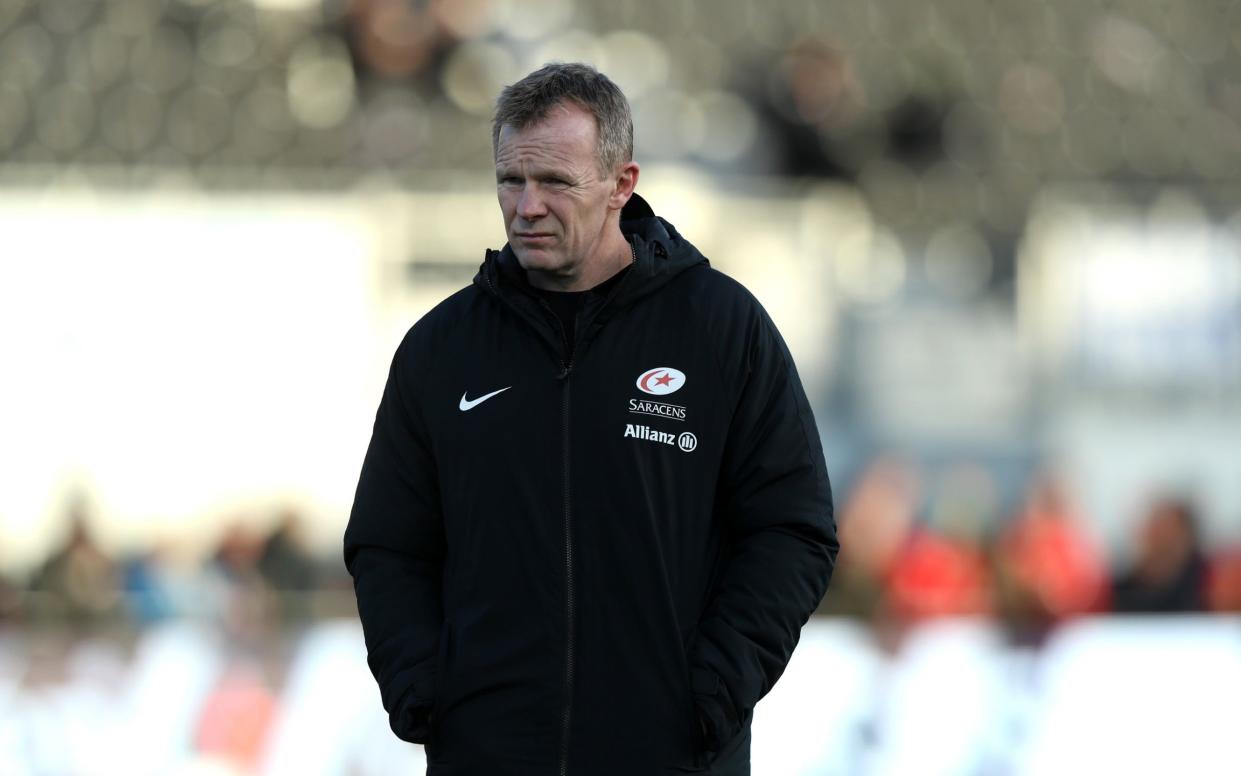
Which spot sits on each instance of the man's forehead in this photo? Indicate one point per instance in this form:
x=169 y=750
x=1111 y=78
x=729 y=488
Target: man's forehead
x=546 y=152
x=565 y=121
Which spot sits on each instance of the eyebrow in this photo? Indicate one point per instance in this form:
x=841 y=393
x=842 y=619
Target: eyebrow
x=538 y=174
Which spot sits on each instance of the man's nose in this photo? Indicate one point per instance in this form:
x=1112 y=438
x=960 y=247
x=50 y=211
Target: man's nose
x=530 y=206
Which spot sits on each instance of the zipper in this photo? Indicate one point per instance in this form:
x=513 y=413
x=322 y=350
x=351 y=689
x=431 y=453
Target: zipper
x=570 y=603
x=583 y=337
x=570 y=614
x=566 y=710
x=566 y=369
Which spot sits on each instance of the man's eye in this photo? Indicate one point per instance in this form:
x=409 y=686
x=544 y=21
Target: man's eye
x=510 y=180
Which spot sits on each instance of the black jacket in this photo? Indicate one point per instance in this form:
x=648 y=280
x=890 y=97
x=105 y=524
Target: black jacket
x=576 y=575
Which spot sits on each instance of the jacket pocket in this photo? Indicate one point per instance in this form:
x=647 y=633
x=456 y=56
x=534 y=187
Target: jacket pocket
x=691 y=753
x=715 y=709
x=443 y=659
x=702 y=755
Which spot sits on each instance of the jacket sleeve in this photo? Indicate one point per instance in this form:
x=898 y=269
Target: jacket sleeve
x=394 y=548
x=775 y=500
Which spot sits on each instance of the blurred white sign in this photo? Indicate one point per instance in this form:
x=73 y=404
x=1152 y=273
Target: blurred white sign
x=1139 y=300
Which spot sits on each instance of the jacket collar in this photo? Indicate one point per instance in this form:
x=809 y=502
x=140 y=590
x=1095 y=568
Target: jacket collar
x=660 y=254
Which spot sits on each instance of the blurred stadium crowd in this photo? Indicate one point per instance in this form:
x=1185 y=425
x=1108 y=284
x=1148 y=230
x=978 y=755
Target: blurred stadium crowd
x=250 y=660
x=1003 y=239
x=978 y=101
x=909 y=557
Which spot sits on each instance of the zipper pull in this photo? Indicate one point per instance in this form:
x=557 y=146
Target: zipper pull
x=565 y=369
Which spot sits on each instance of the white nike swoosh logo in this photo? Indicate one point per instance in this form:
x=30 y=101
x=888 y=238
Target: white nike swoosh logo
x=469 y=404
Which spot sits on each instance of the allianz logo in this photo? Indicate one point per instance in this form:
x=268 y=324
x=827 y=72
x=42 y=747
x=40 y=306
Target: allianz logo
x=686 y=441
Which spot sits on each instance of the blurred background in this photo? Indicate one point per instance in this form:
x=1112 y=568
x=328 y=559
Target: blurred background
x=1002 y=238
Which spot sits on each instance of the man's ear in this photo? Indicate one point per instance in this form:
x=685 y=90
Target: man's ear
x=626 y=181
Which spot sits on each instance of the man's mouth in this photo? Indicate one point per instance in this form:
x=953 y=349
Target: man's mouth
x=534 y=238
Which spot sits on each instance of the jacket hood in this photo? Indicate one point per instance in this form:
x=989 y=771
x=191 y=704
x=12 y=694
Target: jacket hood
x=660 y=254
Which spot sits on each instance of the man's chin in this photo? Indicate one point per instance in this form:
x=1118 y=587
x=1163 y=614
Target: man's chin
x=536 y=259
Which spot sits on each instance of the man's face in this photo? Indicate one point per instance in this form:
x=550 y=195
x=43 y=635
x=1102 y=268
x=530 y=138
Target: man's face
x=552 y=193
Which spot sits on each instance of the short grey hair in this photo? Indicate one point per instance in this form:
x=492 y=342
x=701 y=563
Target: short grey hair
x=528 y=102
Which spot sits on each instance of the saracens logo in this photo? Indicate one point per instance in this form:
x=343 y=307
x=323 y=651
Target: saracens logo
x=661 y=381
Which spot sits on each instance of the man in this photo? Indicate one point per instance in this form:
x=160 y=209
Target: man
x=594 y=513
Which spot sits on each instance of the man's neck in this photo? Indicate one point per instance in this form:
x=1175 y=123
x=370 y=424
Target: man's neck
x=604 y=264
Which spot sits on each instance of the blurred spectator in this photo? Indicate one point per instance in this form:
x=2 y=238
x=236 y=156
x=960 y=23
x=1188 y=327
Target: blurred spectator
x=237 y=587
x=805 y=100
x=237 y=718
x=1224 y=582
x=237 y=555
x=78 y=583
x=875 y=523
x=145 y=596
x=1048 y=569
x=393 y=38
x=287 y=566
x=942 y=570
x=939 y=576
x=163 y=582
x=1168 y=574
x=10 y=600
